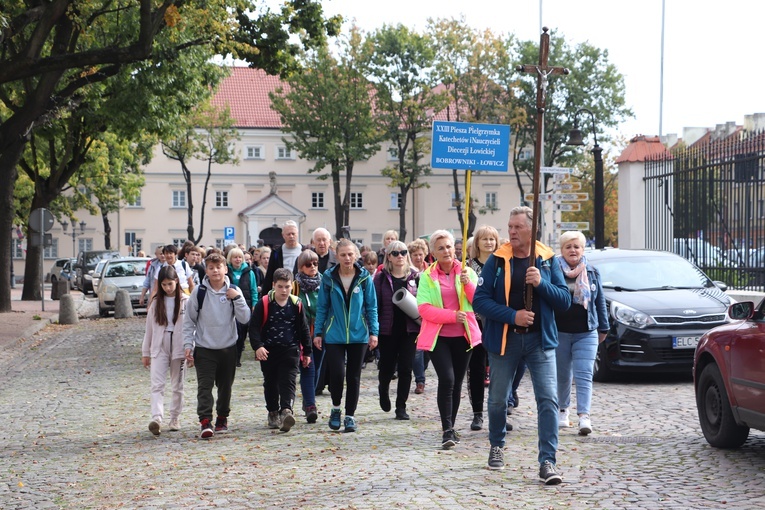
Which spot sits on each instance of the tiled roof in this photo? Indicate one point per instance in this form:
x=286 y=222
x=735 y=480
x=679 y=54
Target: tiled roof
x=642 y=148
x=245 y=92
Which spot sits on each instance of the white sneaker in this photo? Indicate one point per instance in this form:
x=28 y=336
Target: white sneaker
x=563 y=422
x=585 y=427
x=174 y=425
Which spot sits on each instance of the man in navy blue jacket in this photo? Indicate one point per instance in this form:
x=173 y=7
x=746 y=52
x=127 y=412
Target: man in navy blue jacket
x=512 y=334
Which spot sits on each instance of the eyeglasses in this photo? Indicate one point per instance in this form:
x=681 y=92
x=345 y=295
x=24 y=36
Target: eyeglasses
x=313 y=263
x=396 y=253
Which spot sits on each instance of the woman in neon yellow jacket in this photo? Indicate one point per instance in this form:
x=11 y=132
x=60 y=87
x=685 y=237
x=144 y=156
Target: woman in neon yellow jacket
x=449 y=328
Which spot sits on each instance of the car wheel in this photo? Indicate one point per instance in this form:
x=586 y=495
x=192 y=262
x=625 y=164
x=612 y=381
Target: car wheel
x=601 y=372
x=715 y=416
x=103 y=312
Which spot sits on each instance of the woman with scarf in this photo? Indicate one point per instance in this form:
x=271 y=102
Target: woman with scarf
x=306 y=286
x=580 y=329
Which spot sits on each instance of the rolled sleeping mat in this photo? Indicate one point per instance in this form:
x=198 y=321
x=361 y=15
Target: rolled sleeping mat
x=404 y=299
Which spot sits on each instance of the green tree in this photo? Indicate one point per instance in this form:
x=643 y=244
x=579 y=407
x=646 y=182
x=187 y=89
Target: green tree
x=52 y=52
x=326 y=110
x=206 y=134
x=401 y=64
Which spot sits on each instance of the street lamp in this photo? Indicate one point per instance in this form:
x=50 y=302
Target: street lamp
x=575 y=138
x=65 y=224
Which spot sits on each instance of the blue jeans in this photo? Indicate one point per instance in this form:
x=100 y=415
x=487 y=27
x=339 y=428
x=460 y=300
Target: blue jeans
x=308 y=383
x=576 y=351
x=525 y=348
x=419 y=365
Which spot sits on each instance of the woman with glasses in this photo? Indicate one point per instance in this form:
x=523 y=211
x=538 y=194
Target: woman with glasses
x=306 y=286
x=398 y=331
x=449 y=329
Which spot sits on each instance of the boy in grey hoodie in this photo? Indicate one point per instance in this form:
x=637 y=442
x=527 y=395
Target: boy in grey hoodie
x=209 y=340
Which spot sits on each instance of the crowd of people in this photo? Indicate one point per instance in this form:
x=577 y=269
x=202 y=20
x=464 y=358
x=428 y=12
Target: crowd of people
x=318 y=313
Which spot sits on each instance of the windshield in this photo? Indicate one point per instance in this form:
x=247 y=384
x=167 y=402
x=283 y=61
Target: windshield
x=118 y=269
x=643 y=273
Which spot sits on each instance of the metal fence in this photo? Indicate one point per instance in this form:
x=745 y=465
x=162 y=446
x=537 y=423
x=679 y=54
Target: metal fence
x=707 y=204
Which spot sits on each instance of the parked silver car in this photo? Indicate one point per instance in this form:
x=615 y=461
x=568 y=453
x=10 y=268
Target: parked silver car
x=95 y=278
x=125 y=273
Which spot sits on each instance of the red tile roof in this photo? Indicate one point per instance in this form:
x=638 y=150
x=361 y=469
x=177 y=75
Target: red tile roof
x=245 y=92
x=642 y=148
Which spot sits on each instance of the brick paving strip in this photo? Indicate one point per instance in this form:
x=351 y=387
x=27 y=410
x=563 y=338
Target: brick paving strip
x=76 y=402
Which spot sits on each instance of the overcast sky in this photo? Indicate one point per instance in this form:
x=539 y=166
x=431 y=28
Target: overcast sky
x=713 y=70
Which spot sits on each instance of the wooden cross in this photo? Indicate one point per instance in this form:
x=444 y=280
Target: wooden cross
x=542 y=71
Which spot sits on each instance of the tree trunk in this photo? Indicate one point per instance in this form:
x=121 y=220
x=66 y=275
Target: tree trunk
x=338 y=202
x=9 y=158
x=402 y=214
x=32 y=274
x=347 y=199
x=189 y=202
x=107 y=230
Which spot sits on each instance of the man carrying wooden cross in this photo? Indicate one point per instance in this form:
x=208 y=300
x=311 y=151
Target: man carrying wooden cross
x=517 y=293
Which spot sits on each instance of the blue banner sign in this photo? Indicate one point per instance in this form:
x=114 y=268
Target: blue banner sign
x=467 y=146
x=228 y=234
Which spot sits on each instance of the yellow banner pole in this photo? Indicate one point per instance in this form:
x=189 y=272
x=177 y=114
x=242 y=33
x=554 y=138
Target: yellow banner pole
x=468 y=178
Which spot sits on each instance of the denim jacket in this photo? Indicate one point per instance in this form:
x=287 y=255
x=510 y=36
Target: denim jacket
x=597 y=314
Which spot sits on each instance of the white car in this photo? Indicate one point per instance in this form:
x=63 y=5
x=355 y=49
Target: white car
x=96 y=276
x=125 y=273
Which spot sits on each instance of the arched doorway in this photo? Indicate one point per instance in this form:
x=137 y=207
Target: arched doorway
x=272 y=237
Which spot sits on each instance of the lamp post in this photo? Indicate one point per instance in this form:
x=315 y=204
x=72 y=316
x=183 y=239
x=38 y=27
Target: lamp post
x=575 y=138
x=65 y=225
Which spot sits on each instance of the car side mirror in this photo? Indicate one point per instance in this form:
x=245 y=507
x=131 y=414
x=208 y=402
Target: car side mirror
x=721 y=285
x=741 y=311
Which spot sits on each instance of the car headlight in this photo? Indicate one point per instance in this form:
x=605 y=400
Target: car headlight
x=109 y=292
x=630 y=317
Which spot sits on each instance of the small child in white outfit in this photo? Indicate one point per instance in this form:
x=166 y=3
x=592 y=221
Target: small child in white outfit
x=163 y=348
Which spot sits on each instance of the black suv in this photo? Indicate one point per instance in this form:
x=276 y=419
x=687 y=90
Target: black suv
x=86 y=263
x=659 y=307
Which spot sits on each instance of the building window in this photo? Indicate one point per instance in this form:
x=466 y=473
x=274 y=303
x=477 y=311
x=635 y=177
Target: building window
x=178 y=242
x=359 y=241
x=84 y=244
x=16 y=251
x=395 y=200
x=283 y=153
x=51 y=252
x=392 y=153
x=760 y=208
x=525 y=154
x=136 y=203
x=456 y=201
x=317 y=200
x=357 y=200
x=179 y=198
x=220 y=243
x=253 y=152
x=491 y=199
x=221 y=199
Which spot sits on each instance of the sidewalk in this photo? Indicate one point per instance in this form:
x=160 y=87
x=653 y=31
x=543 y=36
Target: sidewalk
x=28 y=317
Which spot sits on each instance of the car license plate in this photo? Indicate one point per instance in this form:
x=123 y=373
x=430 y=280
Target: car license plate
x=685 y=342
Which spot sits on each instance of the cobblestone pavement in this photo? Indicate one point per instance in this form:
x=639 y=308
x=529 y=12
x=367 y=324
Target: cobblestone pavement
x=76 y=401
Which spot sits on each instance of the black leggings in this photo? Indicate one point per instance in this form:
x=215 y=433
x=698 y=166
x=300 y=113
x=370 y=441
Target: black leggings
x=450 y=359
x=397 y=350
x=334 y=358
x=476 y=378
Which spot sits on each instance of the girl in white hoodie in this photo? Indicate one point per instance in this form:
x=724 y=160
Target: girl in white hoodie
x=163 y=348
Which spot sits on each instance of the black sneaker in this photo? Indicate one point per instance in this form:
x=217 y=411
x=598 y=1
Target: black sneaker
x=548 y=473
x=477 y=423
x=207 y=429
x=221 y=424
x=311 y=415
x=449 y=439
x=496 y=458
x=401 y=414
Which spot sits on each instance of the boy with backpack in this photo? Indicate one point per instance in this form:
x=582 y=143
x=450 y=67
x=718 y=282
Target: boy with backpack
x=278 y=331
x=209 y=341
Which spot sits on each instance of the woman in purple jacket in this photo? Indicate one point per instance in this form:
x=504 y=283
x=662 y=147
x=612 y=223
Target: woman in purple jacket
x=398 y=332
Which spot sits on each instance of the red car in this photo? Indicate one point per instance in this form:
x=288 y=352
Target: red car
x=729 y=377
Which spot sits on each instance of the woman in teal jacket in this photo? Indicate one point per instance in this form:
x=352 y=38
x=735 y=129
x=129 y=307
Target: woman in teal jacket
x=346 y=322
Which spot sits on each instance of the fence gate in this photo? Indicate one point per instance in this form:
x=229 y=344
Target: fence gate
x=707 y=204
